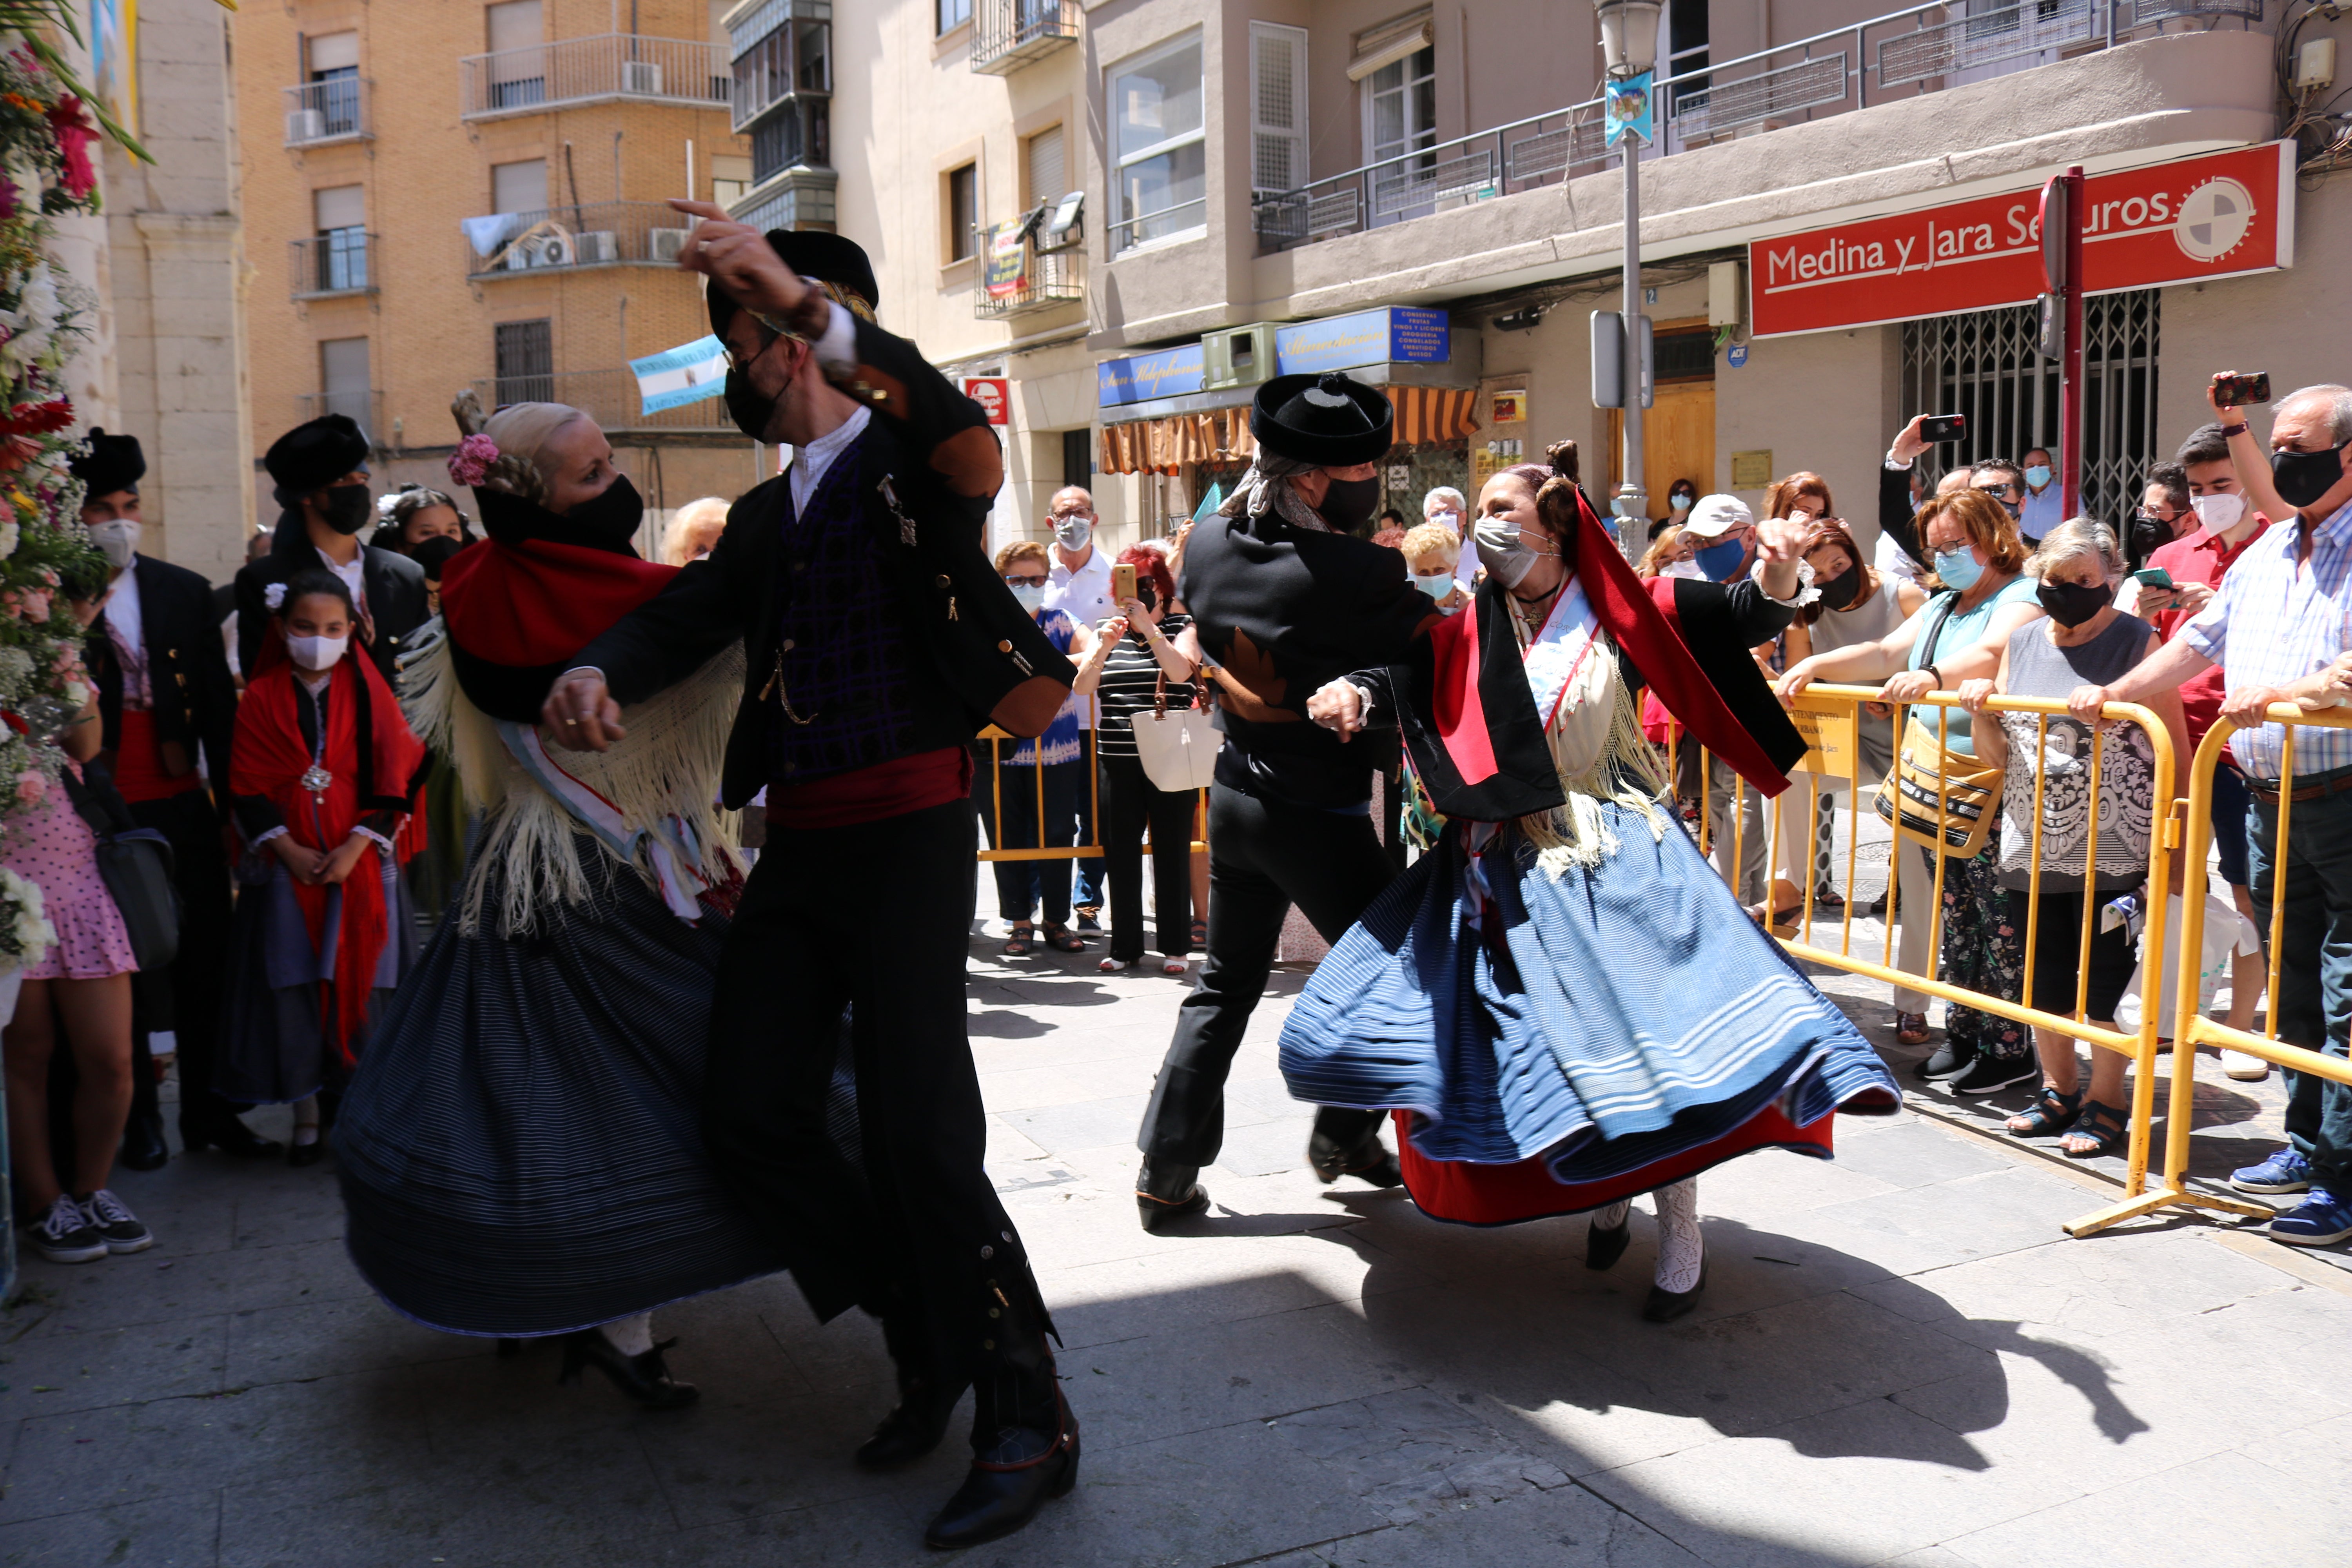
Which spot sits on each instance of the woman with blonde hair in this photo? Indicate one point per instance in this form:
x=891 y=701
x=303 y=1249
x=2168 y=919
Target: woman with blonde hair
x=693 y=530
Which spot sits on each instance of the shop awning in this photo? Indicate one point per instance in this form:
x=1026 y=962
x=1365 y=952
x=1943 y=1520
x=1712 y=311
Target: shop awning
x=1429 y=414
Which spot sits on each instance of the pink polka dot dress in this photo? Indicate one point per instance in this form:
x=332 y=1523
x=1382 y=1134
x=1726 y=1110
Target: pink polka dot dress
x=50 y=843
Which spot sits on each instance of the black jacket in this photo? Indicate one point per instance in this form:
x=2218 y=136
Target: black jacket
x=397 y=598
x=1895 y=513
x=193 y=693
x=990 y=662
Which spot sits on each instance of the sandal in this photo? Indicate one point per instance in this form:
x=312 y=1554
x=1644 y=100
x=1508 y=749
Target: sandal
x=2099 y=1131
x=1118 y=965
x=2051 y=1113
x=1061 y=939
x=1176 y=968
x=1911 y=1028
x=1018 y=944
x=1200 y=933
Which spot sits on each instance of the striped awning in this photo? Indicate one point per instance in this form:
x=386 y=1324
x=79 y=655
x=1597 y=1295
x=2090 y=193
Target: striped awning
x=1430 y=413
x=1165 y=446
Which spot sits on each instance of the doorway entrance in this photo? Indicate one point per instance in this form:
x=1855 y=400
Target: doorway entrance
x=1678 y=428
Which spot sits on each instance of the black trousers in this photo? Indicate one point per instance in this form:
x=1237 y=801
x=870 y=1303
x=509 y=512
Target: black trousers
x=1129 y=800
x=1263 y=857
x=190 y=997
x=909 y=1225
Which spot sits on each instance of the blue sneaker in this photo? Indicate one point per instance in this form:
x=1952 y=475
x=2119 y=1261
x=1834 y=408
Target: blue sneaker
x=2320 y=1220
x=2284 y=1172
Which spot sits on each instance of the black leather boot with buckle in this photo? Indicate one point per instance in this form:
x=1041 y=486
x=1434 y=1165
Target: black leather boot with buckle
x=1024 y=1440
x=1166 y=1192
x=1368 y=1161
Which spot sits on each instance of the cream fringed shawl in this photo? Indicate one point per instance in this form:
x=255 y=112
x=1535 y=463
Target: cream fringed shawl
x=1602 y=757
x=667 y=766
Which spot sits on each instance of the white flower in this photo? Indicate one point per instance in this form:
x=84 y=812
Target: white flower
x=11 y=535
x=76 y=694
x=274 y=595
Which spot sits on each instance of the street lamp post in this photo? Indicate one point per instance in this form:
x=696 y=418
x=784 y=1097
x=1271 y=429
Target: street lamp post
x=1629 y=44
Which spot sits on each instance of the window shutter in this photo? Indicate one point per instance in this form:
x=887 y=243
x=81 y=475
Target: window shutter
x=340 y=206
x=1047 y=167
x=1277 y=107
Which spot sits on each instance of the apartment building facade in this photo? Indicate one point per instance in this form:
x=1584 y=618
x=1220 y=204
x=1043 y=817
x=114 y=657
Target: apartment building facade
x=466 y=195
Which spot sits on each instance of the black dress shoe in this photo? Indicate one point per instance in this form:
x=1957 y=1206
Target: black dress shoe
x=1166 y=1194
x=914 y=1427
x=644 y=1378
x=1367 y=1162
x=300 y=1154
x=143 y=1148
x=231 y=1136
x=1665 y=1306
x=1603 y=1246
x=1009 y=1482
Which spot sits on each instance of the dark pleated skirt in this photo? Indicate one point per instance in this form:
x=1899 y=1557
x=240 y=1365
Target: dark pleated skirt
x=520 y=1147
x=273 y=1049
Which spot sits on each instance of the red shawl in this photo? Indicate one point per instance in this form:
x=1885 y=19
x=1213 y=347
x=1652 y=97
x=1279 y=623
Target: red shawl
x=269 y=758
x=536 y=602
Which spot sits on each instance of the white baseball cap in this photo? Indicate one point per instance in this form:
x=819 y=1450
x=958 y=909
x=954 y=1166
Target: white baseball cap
x=1715 y=516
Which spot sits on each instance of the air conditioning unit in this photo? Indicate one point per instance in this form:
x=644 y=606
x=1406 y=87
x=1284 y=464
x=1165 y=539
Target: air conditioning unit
x=1237 y=356
x=556 y=250
x=305 y=125
x=666 y=244
x=598 y=245
x=641 y=77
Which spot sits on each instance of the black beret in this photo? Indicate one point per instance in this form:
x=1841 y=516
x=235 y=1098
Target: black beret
x=813 y=253
x=313 y=456
x=1331 y=420
x=112 y=463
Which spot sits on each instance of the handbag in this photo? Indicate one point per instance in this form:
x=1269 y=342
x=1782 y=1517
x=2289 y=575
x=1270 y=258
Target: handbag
x=136 y=865
x=1935 y=794
x=1179 y=750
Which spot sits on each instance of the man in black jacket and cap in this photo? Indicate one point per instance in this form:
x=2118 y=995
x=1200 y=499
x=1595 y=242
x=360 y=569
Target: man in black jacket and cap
x=1285 y=600
x=166 y=701
x=878 y=641
x=321 y=475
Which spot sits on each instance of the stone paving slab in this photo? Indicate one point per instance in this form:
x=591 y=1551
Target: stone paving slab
x=1899 y=1358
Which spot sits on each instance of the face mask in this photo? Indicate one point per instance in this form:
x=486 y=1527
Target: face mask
x=1072 y=532
x=1684 y=569
x=1959 y=568
x=2148 y=534
x=1839 y=592
x=2302 y=478
x=2037 y=476
x=1721 y=562
x=1436 y=585
x=2220 y=513
x=348 y=508
x=1032 y=595
x=2071 y=604
x=609 y=521
x=748 y=406
x=1348 y=502
x=117 y=541
x=1680 y=504
x=315 y=654
x=1503 y=555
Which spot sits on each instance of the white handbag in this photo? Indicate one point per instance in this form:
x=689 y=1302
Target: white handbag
x=1179 y=750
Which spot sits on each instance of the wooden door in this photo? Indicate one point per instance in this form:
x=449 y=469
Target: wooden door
x=1678 y=441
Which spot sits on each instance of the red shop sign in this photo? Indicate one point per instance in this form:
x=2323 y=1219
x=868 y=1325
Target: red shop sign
x=2215 y=216
x=994 y=393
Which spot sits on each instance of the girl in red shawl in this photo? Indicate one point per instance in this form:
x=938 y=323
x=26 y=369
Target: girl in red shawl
x=322 y=772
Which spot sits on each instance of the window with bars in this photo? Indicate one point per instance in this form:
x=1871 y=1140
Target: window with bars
x=526 y=361
x=1277 y=107
x=1986 y=364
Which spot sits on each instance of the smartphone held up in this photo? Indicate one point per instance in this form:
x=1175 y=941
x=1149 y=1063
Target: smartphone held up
x=2232 y=390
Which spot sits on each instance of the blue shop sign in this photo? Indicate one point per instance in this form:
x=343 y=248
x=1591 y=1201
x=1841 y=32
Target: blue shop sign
x=1363 y=338
x=1170 y=372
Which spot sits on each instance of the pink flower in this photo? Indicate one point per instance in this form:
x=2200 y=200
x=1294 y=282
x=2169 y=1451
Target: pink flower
x=472 y=460
x=7 y=197
x=32 y=606
x=75 y=133
x=30 y=787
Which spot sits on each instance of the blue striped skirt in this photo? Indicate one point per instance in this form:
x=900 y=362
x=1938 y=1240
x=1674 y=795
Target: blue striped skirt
x=1606 y=1018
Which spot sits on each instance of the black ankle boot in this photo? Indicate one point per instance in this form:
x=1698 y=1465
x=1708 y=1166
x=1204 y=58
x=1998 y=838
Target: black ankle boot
x=644 y=1378
x=143 y=1148
x=1368 y=1161
x=1165 y=1192
x=1009 y=1482
x=1665 y=1306
x=914 y=1426
x=1604 y=1245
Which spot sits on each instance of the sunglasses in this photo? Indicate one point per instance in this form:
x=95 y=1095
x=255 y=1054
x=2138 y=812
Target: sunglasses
x=1036 y=582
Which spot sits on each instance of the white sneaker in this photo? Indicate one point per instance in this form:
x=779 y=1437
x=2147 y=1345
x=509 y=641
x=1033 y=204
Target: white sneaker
x=2243 y=1066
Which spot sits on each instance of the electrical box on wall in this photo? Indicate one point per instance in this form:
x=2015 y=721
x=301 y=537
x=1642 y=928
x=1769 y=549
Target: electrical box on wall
x=1727 y=298
x=1237 y=356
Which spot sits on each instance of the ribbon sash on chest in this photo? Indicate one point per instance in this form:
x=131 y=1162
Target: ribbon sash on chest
x=670 y=847
x=1556 y=654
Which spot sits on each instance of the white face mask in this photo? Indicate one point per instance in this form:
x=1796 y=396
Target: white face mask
x=116 y=540
x=315 y=654
x=1502 y=551
x=1072 y=532
x=1436 y=584
x=2218 y=513
x=1684 y=569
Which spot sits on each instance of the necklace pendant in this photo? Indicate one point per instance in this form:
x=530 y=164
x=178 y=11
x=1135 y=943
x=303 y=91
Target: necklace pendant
x=317 y=779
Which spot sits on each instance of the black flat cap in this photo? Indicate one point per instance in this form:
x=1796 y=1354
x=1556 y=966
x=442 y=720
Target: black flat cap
x=811 y=253
x=112 y=463
x=1331 y=420
x=313 y=456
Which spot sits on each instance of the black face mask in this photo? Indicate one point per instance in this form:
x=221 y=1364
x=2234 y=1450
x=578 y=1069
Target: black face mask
x=1347 y=503
x=608 y=522
x=2071 y=604
x=2147 y=534
x=1839 y=592
x=2302 y=478
x=347 y=508
x=748 y=408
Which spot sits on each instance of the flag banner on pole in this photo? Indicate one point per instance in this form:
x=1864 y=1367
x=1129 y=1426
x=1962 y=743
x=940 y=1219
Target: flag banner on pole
x=1210 y=503
x=1625 y=110
x=688 y=374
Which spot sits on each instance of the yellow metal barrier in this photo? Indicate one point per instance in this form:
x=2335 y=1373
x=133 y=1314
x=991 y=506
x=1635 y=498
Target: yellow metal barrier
x=2190 y=1027
x=996 y=767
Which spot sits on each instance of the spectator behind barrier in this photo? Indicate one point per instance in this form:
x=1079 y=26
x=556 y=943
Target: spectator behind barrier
x=1023 y=886
x=1431 y=552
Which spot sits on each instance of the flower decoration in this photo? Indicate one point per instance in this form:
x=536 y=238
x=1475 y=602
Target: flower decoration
x=25 y=931
x=274 y=595
x=470 y=463
x=74 y=131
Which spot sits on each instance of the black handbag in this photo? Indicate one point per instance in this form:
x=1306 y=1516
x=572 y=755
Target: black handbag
x=136 y=865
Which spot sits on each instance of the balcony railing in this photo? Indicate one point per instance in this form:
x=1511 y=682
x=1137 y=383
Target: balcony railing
x=339 y=262
x=318 y=113
x=582 y=70
x=1008 y=34
x=610 y=396
x=593 y=234
x=1049 y=280
x=365 y=409
x=1900 y=55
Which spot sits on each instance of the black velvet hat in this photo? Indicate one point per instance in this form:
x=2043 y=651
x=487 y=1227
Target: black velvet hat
x=311 y=457
x=1331 y=420
x=112 y=463
x=811 y=253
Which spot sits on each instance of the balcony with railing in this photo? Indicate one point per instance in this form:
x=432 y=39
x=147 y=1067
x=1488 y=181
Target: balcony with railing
x=340 y=261
x=610 y=396
x=1901 y=54
x=1045 y=279
x=684 y=71
x=591 y=233
x=1008 y=34
x=321 y=113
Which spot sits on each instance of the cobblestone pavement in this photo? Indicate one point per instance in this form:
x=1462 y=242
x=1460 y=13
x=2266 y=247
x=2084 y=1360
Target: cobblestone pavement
x=1900 y=1358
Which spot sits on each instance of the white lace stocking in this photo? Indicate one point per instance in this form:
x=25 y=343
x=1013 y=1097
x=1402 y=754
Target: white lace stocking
x=1613 y=1216
x=1682 y=1253
x=630 y=1336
